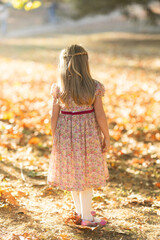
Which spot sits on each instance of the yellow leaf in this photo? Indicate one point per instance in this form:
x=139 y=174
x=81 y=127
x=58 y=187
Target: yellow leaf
x=32 y=5
x=7 y=115
x=98 y=199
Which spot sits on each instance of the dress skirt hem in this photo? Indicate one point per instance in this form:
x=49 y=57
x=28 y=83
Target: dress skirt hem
x=75 y=189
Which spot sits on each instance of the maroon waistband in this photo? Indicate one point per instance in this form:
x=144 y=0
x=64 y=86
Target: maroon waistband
x=77 y=113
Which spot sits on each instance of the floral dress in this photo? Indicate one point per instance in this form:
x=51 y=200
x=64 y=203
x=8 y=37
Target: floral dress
x=76 y=160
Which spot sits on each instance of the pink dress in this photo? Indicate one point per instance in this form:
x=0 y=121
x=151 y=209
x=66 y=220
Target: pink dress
x=76 y=160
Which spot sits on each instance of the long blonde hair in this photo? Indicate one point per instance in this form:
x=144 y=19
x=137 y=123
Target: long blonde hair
x=75 y=78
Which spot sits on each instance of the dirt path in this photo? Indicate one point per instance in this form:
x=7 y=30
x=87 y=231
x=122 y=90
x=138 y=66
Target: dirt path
x=40 y=210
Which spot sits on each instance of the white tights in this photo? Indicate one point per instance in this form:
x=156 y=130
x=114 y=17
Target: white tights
x=82 y=201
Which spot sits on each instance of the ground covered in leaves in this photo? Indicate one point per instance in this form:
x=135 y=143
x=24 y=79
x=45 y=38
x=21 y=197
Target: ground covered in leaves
x=129 y=66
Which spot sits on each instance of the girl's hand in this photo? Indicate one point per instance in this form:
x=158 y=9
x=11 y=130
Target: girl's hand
x=105 y=145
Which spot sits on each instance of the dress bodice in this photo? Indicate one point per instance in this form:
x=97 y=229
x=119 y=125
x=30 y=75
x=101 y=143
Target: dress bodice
x=55 y=92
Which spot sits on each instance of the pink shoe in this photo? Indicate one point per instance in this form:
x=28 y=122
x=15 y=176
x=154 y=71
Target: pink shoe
x=88 y=223
x=92 y=212
x=102 y=222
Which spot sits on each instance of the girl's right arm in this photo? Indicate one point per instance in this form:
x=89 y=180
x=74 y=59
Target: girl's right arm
x=54 y=117
x=102 y=121
x=55 y=108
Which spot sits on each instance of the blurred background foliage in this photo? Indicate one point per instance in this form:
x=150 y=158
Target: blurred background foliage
x=103 y=7
x=83 y=7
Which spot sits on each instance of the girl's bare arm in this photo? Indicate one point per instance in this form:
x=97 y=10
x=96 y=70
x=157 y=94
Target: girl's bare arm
x=54 y=117
x=101 y=117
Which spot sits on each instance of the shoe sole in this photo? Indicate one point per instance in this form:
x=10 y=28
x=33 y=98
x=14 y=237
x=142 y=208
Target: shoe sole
x=88 y=223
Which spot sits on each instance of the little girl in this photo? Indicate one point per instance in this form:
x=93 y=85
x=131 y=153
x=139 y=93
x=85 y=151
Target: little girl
x=77 y=162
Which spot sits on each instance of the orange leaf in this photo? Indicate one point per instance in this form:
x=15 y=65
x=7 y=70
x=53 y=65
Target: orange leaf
x=34 y=140
x=64 y=236
x=22 y=194
x=157 y=184
x=158 y=198
x=17 y=135
x=136 y=160
x=8 y=196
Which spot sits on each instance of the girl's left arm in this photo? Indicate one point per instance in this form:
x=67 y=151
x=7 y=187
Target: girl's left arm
x=54 y=117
